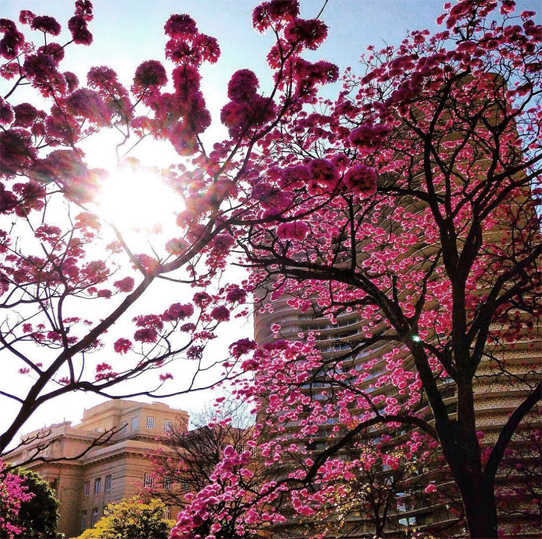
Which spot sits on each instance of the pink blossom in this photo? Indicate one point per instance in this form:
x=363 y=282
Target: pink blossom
x=178 y=312
x=310 y=33
x=369 y=137
x=220 y=313
x=122 y=346
x=13 y=40
x=236 y=295
x=201 y=299
x=46 y=24
x=147 y=263
x=242 y=347
x=125 y=285
x=148 y=335
x=361 y=179
x=6 y=113
x=208 y=47
x=242 y=85
x=71 y=80
x=149 y=320
x=26 y=114
x=149 y=73
x=195 y=352
x=223 y=242
x=101 y=367
x=186 y=80
x=26 y=16
x=324 y=173
x=295 y=176
x=180 y=26
x=79 y=31
x=296 y=230
x=88 y=104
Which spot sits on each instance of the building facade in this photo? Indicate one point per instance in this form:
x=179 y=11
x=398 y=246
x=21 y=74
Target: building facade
x=101 y=460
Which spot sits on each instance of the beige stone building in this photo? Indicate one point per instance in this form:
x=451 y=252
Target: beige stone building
x=101 y=460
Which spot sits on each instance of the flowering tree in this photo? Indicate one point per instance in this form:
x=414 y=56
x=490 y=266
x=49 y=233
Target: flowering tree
x=408 y=201
x=425 y=176
x=386 y=489
x=58 y=253
x=188 y=464
x=13 y=493
x=38 y=516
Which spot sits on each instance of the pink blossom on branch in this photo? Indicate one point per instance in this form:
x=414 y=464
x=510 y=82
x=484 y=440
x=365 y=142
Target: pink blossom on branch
x=220 y=313
x=361 y=179
x=296 y=230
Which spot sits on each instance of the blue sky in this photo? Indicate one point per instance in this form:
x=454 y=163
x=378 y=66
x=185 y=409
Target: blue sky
x=128 y=32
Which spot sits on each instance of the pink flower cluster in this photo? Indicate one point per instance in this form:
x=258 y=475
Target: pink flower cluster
x=13 y=40
x=247 y=109
x=296 y=230
x=149 y=75
x=178 y=312
x=369 y=137
x=12 y=494
x=187 y=45
x=361 y=179
x=276 y=13
x=220 y=313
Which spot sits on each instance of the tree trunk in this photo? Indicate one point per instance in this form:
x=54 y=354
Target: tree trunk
x=480 y=511
x=462 y=452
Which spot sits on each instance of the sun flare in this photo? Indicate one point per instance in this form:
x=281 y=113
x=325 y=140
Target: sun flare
x=137 y=201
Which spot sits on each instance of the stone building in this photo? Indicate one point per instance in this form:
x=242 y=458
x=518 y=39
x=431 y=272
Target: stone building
x=101 y=460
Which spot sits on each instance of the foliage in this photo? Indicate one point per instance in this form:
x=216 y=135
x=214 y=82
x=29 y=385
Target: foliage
x=57 y=253
x=408 y=203
x=190 y=456
x=131 y=519
x=39 y=515
x=187 y=464
x=13 y=493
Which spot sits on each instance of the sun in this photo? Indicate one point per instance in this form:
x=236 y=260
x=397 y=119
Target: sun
x=137 y=201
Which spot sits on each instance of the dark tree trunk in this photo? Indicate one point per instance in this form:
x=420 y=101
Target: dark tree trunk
x=480 y=510
x=463 y=454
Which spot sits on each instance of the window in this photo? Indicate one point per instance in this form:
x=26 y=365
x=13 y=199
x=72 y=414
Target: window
x=168 y=425
x=94 y=517
x=148 y=480
x=87 y=488
x=135 y=423
x=97 y=485
x=108 y=482
x=167 y=512
x=150 y=423
x=124 y=427
x=83 y=521
x=185 y=486
x=166 y=482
